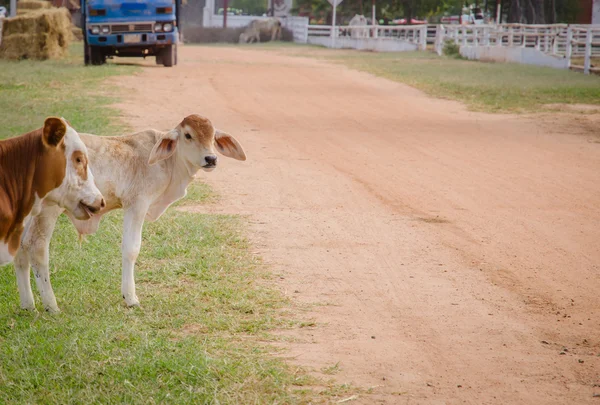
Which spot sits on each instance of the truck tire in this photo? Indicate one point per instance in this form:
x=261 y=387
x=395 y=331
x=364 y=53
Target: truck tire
x=97 y=57
x=169 y=55
x=86 y=55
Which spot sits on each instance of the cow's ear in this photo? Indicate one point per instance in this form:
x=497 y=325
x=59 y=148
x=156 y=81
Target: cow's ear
x=53 y=132
x=165 y=147
x=229 y=146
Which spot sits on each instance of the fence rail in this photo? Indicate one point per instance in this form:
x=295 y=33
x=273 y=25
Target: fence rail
x=559 y=40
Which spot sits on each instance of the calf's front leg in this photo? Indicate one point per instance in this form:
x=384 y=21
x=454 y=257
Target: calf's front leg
x=133 y=222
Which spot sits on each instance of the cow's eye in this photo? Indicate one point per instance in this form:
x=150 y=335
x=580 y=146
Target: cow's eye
x=188 y=136
x=78 y=160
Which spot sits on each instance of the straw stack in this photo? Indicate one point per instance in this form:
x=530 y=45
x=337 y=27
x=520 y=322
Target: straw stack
x=39 y=34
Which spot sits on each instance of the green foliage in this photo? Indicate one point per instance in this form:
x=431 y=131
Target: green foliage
x=451 y=49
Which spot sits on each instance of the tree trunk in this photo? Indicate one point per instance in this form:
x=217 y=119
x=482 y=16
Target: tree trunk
x=408 y=12
x=552 y=12
x=529 y=11
x=540 y=12
x=514 y=12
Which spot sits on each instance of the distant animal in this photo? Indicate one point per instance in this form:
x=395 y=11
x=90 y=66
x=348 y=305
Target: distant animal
x=252 y=32
x=46 y=167
x=359 y=21
x=143 y=173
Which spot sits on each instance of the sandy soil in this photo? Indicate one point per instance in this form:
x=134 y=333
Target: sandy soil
x=445 y=256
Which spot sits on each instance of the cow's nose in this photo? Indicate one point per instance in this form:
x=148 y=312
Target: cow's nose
x=211 y=160
x=102 y=203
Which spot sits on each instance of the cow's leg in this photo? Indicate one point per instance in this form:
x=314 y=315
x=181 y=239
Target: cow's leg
x=21 y=264
x=37 y=245
x=133 y=221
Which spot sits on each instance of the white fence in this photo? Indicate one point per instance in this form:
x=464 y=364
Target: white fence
x=374 y=37
x=549 y=45
x=557 y=40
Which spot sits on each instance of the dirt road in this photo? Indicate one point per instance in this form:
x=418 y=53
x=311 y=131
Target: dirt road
x=445 y=256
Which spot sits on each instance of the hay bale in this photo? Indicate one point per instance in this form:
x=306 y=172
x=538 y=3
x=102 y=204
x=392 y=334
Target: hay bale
x=41 y=34
x=33 y=5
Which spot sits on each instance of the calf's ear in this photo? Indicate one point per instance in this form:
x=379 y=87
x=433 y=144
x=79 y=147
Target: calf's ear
x=164 y=147
x=53 y=132
x=229 y=146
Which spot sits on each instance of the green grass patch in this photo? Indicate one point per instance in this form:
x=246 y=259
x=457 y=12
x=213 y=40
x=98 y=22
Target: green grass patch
x=32 y=90
x=490 y=87
x=194 y=340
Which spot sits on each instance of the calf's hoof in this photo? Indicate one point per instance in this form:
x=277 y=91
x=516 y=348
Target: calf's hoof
x=29 y=308
x=131 y=301
x=52 y=310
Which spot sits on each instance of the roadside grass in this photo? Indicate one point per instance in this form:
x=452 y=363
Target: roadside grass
x=202 y=333
x=489 y=87
x=31 y=90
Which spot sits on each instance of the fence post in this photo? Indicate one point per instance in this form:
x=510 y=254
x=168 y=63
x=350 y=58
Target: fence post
x=424 y=38
x=555 y=41
x=588 y=51
x=569 y=49
x=439 y=39
x=305 y=36
x=510 y=36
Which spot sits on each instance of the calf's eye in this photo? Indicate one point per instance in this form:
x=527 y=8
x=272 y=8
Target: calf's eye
x=188 y=136
x=78 y=160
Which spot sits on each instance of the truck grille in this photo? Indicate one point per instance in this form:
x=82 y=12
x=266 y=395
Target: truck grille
x=121 y=28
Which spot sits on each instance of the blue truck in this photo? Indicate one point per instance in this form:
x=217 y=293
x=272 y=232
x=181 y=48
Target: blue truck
x=130 y=28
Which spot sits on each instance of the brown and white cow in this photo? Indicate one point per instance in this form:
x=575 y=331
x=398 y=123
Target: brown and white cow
x=46 y=166
x=144 y=174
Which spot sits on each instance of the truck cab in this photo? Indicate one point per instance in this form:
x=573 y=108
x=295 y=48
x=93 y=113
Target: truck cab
x=130 y=28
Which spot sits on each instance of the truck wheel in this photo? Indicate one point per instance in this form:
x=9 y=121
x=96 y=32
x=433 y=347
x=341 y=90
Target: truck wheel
x=169 y=55
x=97 y=57
x=159 y=60
x=86 y=55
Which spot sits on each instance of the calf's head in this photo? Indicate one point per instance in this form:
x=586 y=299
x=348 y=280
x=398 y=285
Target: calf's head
x=66 y=170
x=196 y=142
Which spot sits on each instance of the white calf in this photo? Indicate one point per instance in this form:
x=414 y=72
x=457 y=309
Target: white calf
x=142 y=173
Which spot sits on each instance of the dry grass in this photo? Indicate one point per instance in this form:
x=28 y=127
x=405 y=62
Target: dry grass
x=41 y=34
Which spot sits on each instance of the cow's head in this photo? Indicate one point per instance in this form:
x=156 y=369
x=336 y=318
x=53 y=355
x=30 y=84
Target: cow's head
x=66 y=173
x=196 y=141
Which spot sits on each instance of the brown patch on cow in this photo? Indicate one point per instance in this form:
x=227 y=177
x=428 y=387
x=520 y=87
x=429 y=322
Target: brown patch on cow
x=205 y=132
x=31 y=165
x=80 y=164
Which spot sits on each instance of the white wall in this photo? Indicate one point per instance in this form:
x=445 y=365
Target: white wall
x=369 y=44
x=528 y=56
